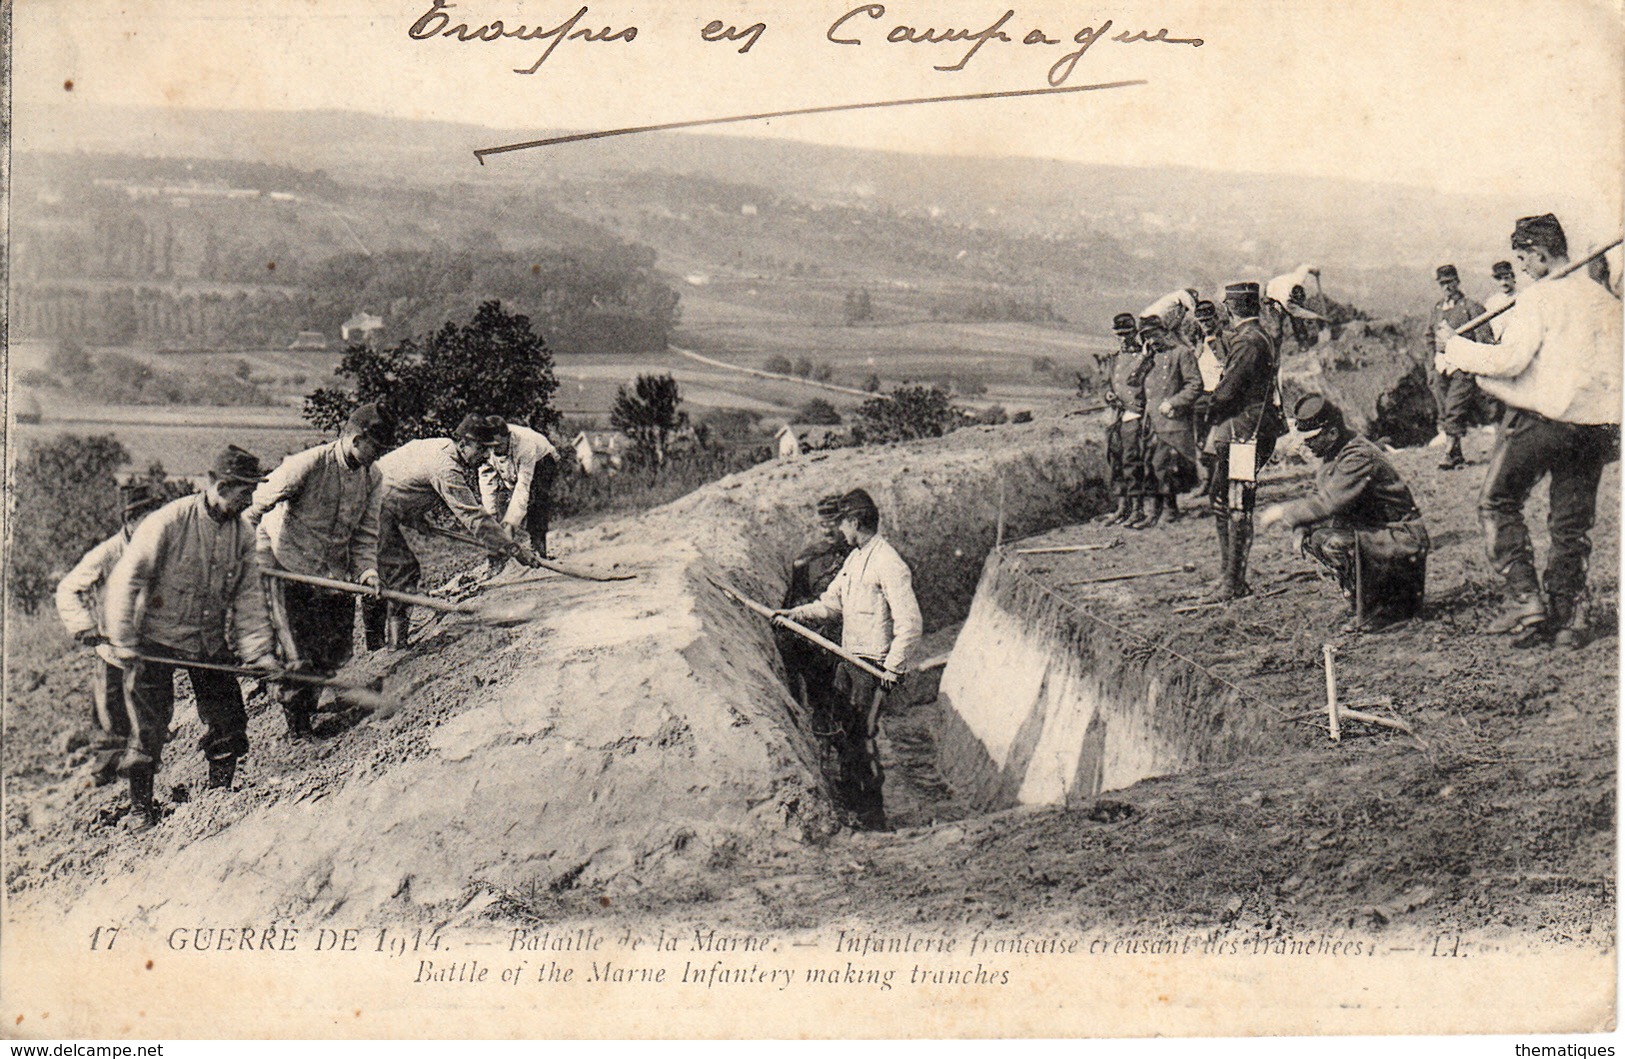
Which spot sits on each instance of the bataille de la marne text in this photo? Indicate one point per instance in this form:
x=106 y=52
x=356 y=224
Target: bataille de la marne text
x=854 y=27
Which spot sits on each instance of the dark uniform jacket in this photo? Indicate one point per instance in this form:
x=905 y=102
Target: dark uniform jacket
x=1128 y=381
x=1358 y=488
x=1244 y=400
x=1455 y=313
x=1173 y=376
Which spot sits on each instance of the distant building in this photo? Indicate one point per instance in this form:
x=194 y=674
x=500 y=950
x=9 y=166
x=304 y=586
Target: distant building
x=309 y=340
x=794 y=439
x=363 y=327
x=599 y=452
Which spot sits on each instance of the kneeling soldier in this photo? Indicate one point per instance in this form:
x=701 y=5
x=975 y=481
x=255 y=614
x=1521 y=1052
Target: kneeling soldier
x=1362 y=523
x=873 y=595
x=81 y=599
x=188 y=588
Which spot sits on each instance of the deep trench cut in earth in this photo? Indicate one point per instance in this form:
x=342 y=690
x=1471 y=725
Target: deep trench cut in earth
x=639 y=729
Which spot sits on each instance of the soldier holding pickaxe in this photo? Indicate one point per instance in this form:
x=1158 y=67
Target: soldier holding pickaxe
x=317 y=515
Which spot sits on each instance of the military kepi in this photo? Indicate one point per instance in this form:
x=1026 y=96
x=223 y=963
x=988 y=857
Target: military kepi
x=1446 y=272
x=1123 y=324
x=1313 y=413
x=237 y=465
x=1542 y=231
x=1242 y=297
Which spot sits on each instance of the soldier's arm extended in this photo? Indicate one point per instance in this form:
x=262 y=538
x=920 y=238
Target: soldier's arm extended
x=364 y=543
x=1341 y=487
x=826 y=606
x=456 y=495
x=132 y=575
x=75 y=592
x=490 y=482
x=250 y=620
x=284 y=483
x=519 y=503
x=1507 y=359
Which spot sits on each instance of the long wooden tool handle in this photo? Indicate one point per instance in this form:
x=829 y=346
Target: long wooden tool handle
x=1133 y=574
x=802 y=631
x=1573 y=267
x=362 y=590
x=355 y=693
x=546 y=564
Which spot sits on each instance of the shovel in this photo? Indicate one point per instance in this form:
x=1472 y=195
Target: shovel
x=360 y=695
x=514 y=613
x=801 y=630
x=576 y=572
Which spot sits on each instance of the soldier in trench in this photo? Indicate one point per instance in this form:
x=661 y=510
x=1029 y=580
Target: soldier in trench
x=811 y=671
x=873 y=595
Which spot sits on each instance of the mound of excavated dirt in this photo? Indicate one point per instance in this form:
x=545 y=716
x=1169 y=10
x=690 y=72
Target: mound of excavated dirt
x=634 y=737
x=1377 y=372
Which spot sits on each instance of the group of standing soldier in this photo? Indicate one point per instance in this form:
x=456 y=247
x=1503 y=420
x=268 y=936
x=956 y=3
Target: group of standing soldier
x=207 y=580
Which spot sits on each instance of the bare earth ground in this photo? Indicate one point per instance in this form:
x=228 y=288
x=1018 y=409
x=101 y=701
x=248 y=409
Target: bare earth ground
x=1498 y=822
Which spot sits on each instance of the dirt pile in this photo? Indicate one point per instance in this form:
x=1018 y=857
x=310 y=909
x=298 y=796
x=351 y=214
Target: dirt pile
x=631 y=740
x=1377 y=372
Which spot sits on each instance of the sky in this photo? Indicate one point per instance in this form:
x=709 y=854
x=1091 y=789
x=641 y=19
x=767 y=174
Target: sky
x=1524 y=98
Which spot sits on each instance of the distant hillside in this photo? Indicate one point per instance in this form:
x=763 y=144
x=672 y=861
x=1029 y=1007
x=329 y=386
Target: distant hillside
x=1142 y=231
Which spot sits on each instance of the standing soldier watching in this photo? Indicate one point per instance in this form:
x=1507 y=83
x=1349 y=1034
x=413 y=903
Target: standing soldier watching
x=187 y=587
x=1557 y=368
x=317 y=514
x=1460 y=403
x=1502 y=273
x=1211 y=354
x=1172 y=383
x=81 y=600
x=1362 y=523
x=811 y=670
x=873 y=595
x=516 y=484
x=418 y=478
x=1246 y=417
x=1125 y=396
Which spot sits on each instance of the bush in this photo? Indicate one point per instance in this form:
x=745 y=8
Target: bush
x=649 y=415
x=1022 y=416
x=907 y=413
x=493 y=365
x=818 y=412
x=1043 y=366
x=778 y=365
x=63 y=502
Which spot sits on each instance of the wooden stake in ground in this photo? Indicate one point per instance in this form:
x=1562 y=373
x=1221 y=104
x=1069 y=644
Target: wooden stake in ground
x=1131 y=575
x=1329 y=654
x=1067 y=548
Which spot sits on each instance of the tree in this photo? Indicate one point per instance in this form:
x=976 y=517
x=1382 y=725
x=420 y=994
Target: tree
x=777 y=365
x=493 y=365
x=907 y=413
x=649 y=415
x=804 y=367
x=64 y=500
x=69 y=360
x=872 y=383
x=818 y=412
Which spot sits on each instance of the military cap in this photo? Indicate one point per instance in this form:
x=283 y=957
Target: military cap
x=1502 y=268
x=858 y=502
x=1314 y=413
x=237 y=465
x=1123 y=324
x=1243 y=297
x=1206 y=310
x=477 y=429
x=1446 y=272
x=1149 y=325
x=138 y=497
x=369 y=421
x=1542 y=231
x=829 y=507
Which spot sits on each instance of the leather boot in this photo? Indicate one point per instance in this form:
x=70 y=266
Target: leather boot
x=1453 y=459
x=223 y=770
x=400 y=626
x=1114 y=517
x=1218 y=590
x=1173 y=512
x=1150 y=518
x=143 y=811
x=1570 y=619
x=1524 y=611
x=1241 y=545
x=375 y=620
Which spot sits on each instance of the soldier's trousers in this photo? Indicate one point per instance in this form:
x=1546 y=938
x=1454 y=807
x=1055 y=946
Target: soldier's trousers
x=1245 y=494
x=1169 y=471
x=1462 y=404
x=109 y=720
x=1381 y=569
x=539 y=512
x=398 y=570
x=1528 y=447
x=1125 y=458
x=315 y=632
x=149 y=699
x=862 y=779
